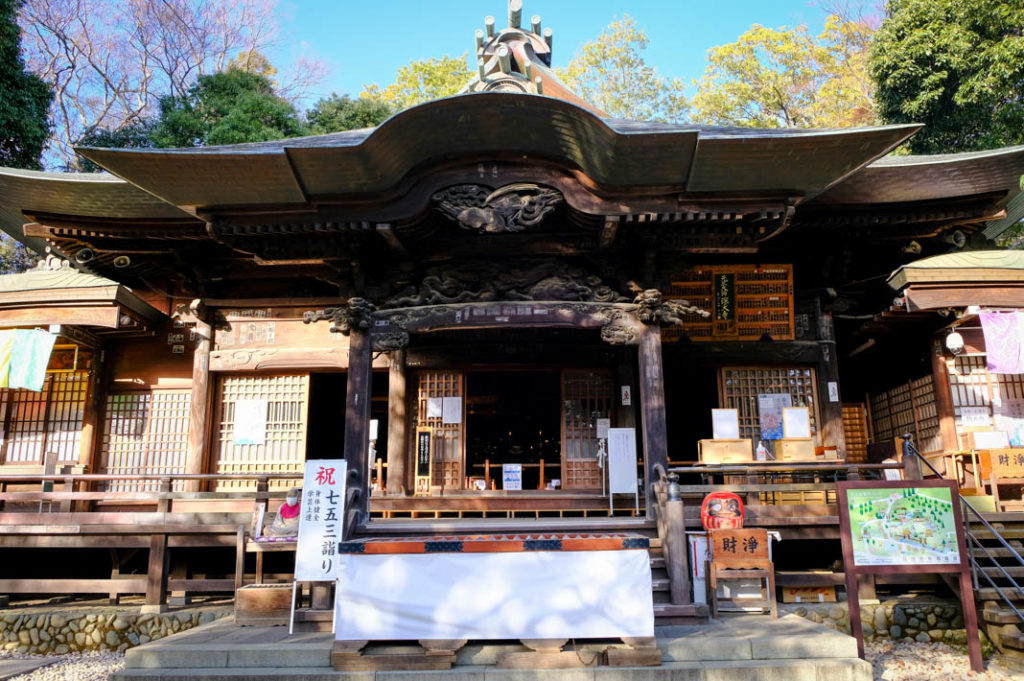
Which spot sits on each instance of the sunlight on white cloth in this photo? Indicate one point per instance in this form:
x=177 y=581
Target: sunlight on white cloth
x=533 y=594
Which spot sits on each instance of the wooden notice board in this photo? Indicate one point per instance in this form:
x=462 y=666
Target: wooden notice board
x=424 y=460
x=905 y=527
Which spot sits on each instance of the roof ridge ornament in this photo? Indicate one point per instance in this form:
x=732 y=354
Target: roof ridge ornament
x=517 y=59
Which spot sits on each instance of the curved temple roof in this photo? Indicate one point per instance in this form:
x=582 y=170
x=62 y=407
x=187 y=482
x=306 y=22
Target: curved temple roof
x=495 y=125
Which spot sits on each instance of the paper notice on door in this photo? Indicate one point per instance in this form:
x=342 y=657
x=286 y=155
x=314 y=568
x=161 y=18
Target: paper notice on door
x=434 y=407
x=451 y=410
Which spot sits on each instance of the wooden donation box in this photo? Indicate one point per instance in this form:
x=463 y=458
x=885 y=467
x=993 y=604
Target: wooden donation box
x=795 y=449
x=548 y=586
x=725 y=451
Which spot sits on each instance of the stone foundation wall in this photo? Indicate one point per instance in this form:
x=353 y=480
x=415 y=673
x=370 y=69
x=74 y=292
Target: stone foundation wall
x=933 y=620
x=49 y=631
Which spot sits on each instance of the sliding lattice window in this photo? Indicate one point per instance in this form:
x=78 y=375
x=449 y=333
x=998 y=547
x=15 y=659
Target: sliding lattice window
x=973 y=386
x=740 y=386
x=47 y=421
x=284 y=447
x=144 y=432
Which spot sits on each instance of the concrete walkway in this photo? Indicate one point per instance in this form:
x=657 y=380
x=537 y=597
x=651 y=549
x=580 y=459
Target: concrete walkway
x=739 y=648
x=11 y=668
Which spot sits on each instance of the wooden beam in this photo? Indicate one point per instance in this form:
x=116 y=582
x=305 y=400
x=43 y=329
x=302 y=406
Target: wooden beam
x=397 y=425
x=201 y=399
x=652 y=407
x=357 y=428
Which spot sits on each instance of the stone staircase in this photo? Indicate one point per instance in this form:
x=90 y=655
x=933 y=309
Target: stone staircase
x=739 y=648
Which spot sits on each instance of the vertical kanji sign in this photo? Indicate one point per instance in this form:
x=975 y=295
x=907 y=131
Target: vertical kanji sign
x=320 y=518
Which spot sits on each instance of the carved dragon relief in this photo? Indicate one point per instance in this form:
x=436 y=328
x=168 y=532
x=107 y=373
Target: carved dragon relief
x=511 y=208
x=557 y=285
x=481 y=282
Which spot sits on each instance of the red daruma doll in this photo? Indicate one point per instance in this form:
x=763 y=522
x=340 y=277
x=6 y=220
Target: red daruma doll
x=722 y=510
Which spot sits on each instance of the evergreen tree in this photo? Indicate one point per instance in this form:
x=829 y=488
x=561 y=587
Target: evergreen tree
x=24 y=98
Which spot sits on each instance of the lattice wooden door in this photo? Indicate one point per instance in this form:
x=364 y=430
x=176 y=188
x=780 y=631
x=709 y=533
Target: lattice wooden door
x=449 y=438
x=284 y=446
x=586 y=397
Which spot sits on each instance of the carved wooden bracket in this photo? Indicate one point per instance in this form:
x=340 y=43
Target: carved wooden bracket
x=652 y=308
x=511 y=208
x=355 y=315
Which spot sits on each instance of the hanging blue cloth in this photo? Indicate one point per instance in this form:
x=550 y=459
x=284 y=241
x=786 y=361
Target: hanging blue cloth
x=29 y=358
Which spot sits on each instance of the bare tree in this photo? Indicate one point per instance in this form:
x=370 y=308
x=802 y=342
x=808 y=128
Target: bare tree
x=110 y=61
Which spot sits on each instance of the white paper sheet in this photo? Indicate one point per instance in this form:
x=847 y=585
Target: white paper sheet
x=975 y=417
x=725 y=424
x=512 y=476
x=532 y=594
x=250 y=422
x=796 y=422
x=451 y=410
x=434 y=407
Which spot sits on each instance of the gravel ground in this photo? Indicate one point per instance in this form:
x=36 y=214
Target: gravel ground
x=76 y=667
x=929 y=662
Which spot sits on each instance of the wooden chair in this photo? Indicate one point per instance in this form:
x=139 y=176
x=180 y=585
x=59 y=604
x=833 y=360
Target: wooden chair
x=740 y=554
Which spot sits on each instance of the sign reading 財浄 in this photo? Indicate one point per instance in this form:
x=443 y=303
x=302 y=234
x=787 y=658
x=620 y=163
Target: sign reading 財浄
x=320 y=520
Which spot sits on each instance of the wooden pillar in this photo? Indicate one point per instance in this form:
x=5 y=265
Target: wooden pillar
x=357 y=428
x=944 y=398
x=831 y=411
x=398 y=448
x=200 y=406
x=652 y=407
x=91 y=417
x=156 y=575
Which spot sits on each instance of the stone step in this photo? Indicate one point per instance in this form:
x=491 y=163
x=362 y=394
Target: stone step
x=834 y=669
x=660 y=584
x=696 y=610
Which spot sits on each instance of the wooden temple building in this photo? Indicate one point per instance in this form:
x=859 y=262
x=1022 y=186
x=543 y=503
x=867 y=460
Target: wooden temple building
x=473 y=283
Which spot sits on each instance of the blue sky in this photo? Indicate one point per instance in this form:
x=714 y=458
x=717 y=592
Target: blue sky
x=367 y=41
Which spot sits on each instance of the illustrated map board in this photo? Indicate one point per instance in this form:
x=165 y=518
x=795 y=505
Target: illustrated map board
x=905 y=527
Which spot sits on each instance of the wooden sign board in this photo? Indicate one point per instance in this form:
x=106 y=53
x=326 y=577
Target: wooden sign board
x=809 y=594
x=795 y=449
x=424 y=460
x=905 y=527
x=1007 y=463
x=738 y=546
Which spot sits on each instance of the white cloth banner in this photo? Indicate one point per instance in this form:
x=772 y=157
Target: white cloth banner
x=531 y=594
x=320 y=520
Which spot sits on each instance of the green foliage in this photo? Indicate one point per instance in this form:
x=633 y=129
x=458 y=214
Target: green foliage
x=786 y=77
x=610 y=73
x=14 y=256
x=24 y=98
x=136 y=135
x=955 y=65
x=337 y=113
x=225 y=108
x=421 y=81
